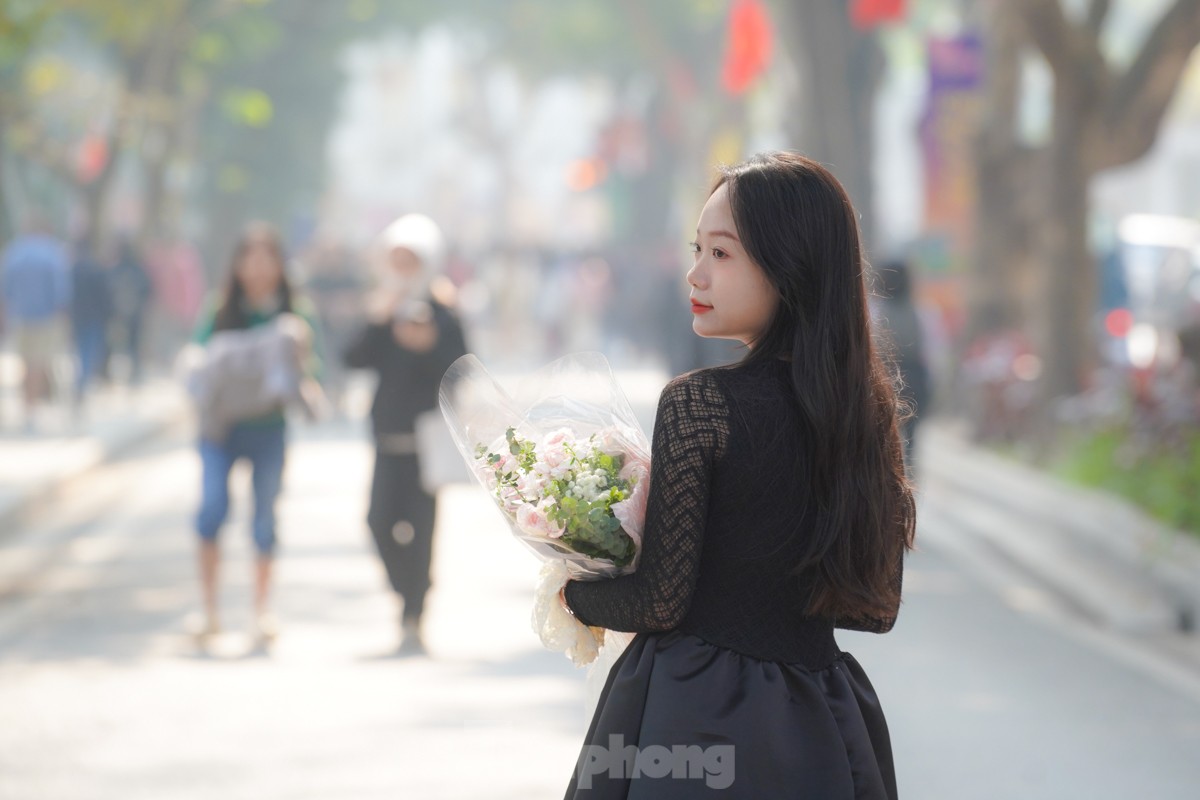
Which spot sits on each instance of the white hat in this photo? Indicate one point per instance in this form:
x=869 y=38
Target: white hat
x=421 y=235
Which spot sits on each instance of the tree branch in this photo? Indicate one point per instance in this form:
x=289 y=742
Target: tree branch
x=1002 y=80
x=1097 y=13
x=1050 y=32
x=1139 y=100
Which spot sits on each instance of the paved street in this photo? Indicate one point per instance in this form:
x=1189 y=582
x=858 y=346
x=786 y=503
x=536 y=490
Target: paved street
x=991 y=690
x=105 y=698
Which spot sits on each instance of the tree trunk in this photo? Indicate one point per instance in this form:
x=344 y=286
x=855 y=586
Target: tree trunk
x=1101 y=120
x=162 y=86
x=1066 y=330
x=994 y=298
x=841 y=68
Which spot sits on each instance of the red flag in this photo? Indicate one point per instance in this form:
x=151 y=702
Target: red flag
x=91 y=157
x=748 y=48
x=866 y=14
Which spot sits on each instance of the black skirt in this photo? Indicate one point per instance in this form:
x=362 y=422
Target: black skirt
x=680 y=717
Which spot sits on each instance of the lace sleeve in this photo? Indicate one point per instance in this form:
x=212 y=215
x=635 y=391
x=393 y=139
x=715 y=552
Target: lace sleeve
x=690 y=435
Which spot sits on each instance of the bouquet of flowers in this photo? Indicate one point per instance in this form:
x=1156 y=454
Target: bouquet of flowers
x=567 y=464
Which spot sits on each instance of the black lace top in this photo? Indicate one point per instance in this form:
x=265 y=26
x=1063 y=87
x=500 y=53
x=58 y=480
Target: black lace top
x=724 y=522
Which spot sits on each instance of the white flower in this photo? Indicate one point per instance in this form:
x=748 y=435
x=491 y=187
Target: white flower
x=531 y=485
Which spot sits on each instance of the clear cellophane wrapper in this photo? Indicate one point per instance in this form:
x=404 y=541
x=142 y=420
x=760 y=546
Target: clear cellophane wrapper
x=568 y=424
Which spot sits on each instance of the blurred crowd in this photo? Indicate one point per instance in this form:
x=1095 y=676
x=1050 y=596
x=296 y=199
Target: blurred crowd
x=79 y=314
x=74 y=314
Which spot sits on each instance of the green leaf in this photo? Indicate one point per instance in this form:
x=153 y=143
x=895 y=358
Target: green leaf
x=250 y=107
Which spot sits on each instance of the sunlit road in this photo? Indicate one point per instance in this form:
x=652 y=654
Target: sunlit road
x=104 y=697
x=989 y=691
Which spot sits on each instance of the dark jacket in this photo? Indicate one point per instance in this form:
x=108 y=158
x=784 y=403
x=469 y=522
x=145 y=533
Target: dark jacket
x=91 y=295
x=408 y=381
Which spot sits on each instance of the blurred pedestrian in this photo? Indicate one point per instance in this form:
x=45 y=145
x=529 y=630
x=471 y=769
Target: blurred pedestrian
x=91 y=312
x=410 y=341
x=37 y=296
x=257 y=295
x=132 y=290
x=899 y=320
x=177 y=272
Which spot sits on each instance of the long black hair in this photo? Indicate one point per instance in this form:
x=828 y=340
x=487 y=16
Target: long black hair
x=799 y=227
x=232 y=314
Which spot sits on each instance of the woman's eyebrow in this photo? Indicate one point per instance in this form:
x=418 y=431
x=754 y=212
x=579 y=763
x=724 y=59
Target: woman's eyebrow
x=724 y=233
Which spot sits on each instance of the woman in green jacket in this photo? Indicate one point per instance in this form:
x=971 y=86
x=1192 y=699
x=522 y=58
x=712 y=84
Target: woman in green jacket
x=257 y=292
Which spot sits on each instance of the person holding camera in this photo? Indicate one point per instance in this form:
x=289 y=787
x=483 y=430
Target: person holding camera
x=410 y=340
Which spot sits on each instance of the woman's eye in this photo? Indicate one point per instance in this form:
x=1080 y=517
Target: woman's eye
x=718 y=253
x=694 y=247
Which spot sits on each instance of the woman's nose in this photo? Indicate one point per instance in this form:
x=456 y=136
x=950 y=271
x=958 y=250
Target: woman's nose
x=694 y=277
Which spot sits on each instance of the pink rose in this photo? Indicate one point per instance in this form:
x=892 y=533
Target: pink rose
x=555 y=529
x=557 y=438
x=636 y=463
x=533 y=521
x=554 y=456
x=611 y=442
x=510 y=500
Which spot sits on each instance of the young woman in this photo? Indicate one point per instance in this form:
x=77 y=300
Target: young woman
x=410 y=341
x=779 y=510
x=257 y=291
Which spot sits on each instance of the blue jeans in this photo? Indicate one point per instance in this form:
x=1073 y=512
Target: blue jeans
x=90 y=342
x=263 y=446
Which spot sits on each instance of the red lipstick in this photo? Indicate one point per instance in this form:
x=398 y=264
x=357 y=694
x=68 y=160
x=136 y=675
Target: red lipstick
x=700 y=308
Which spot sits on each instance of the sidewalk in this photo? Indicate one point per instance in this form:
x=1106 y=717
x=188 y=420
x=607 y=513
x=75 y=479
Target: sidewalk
x=1103 y=556
x=106 y=697
x=36 y=465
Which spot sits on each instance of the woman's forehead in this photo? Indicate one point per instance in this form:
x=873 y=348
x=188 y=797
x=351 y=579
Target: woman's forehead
x=717 y=212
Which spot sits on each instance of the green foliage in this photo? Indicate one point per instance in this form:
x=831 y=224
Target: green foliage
x=21 y=22
x=259 y=79
x=1163 y=481
x=129 y=26
x=249 y=107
